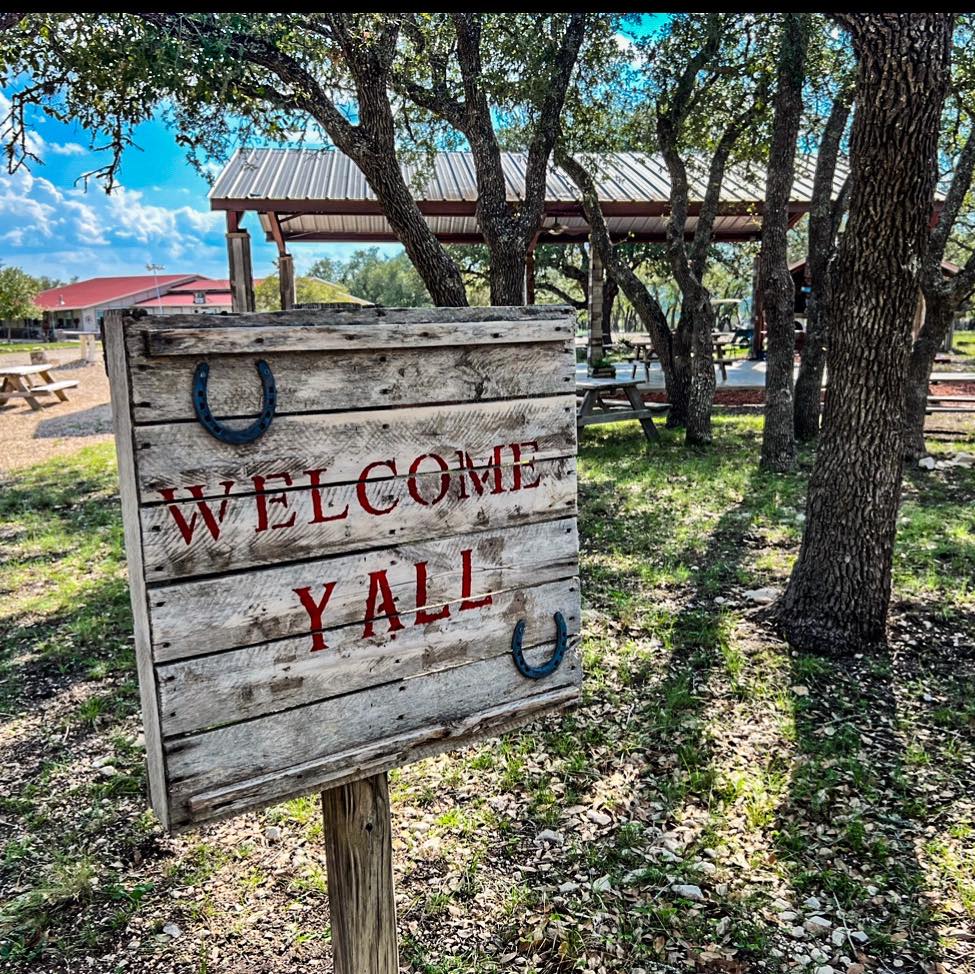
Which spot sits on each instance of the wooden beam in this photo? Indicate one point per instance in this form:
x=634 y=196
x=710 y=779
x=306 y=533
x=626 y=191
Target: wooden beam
x=596 y=281
x=240 y=272
x=234 y=218
x=286 y=281
x=276 y=234
x=359 y=859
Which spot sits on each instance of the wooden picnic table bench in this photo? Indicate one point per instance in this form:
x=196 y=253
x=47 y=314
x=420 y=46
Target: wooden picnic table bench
x=18 y=384
x=593 y=409
x=643 y=352
x=950 y=404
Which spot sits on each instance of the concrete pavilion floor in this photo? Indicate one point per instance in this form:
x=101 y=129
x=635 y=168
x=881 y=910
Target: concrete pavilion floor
x=741 y=375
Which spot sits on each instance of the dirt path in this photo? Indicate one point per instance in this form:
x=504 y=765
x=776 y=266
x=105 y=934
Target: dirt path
x=28 y=436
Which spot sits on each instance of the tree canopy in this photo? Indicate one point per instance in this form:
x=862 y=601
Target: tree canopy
x=17 y=293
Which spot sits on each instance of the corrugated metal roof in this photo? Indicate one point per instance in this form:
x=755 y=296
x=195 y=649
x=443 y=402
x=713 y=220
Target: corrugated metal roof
x=102 y=290
x=321 y=195
x=320 y=176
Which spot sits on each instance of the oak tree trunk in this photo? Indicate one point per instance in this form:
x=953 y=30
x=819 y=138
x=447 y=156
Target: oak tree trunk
x=778 y=436
x=808 y=394
x=824 y=220
x=938 y=316
x=379 y=164
x=679 y=394
x=440 y=274
x=507 y=271
x=700 y=398
x=838 y=595
x=676 y=378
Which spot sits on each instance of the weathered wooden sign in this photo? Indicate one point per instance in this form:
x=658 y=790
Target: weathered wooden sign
x=351 y=537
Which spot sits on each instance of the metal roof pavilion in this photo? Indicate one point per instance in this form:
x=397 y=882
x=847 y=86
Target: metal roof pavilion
x=315 y=195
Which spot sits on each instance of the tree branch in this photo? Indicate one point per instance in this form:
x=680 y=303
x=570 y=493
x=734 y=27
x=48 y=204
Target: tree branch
x=646 y=305
x=549 y=113
x=961 y=183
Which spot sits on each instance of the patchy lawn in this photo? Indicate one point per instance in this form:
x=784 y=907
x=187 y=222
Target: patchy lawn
x=964 y=343
x=716 y=804
x=10 y=348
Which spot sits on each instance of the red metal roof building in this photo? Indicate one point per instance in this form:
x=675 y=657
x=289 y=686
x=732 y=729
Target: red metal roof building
x=81 y=306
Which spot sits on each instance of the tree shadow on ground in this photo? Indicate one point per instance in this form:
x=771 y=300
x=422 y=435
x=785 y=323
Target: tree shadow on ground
x=879 y=793
x=877 y=823
x=649 y=676
x=93 y=421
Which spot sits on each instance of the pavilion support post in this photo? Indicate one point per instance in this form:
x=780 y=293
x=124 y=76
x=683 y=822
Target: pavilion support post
x=286 y=281
x=596 y=351
x=758 y=315
x=239 y=262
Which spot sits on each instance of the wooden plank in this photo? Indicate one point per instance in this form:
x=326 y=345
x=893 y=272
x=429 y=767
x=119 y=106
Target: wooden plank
x=359 y=858
x=190 y=538
x=55 y=386
x=613 y=416
x=331 y=771
x=174 y=454
x=240 y=684
x=342 y=337
x=328 y=381
x=347 y=315
x=217 y=759
x=115 y=357
x=260 y=606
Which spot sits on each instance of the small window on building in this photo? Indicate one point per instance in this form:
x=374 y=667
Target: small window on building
x=199 y=297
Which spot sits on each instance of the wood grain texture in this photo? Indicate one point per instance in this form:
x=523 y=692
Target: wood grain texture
x=203 y=762
x=118 y=373
x=259 y=606
x=240 y=684
x=239 y=544
x=339 y=444
x=330 y=381
x=352 y=315
x=362 y=761
x=341 y=337
x=359 y=858
x=255 y=694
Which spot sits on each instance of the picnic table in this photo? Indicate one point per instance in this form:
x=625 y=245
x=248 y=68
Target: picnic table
x=18 y=383
x=643 y=351
x=593 y=408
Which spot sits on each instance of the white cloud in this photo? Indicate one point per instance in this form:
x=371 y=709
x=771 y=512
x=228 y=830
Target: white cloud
x=91 y=234
x=35 y=142
x=67 y=148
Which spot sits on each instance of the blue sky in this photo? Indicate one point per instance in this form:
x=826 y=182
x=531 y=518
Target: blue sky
x=158 y=213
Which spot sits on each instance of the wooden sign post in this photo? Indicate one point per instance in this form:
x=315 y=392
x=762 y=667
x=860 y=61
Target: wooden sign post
x=352 y=544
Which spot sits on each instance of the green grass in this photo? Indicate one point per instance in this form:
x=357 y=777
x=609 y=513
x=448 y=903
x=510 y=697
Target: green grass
x=964 y=343
x=771 y=774
x=8 y=348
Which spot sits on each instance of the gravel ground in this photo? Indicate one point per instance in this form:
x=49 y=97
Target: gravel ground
x=30 y=436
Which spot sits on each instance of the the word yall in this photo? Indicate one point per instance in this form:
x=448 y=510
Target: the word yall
x=289 y=498
x=381 y=605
